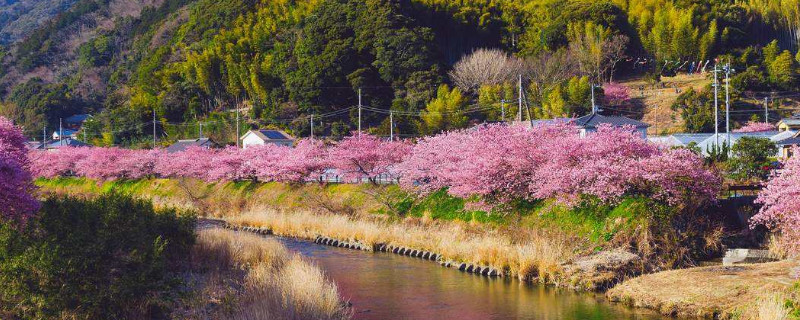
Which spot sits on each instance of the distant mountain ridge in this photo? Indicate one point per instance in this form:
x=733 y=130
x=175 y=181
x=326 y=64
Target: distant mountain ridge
x=18 y=17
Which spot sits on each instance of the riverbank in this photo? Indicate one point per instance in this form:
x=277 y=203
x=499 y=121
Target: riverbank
x=736 y=292
x=585 y=248
x=236 y=275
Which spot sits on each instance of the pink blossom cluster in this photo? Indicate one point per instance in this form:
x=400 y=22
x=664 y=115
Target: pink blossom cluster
x=615 y=94
x=494 y=163
x=365 y=157
x=781 y=203
x=17 y=202
x=755 y=126
x=500 y=162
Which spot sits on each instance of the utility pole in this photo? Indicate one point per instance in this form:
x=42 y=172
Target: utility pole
x=728 y=107
x=359 y=112
x=237 y=125
x=60 y=133
x=594 y=106
x=519 y=114
x=503 y=109
x=154 y=128
x=44 y=137
x=391 y=125
x=716 y=108
x=201 y=130
x=766 y=110
x=312 y=126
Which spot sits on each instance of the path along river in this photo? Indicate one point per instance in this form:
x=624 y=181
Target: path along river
x=389 y=286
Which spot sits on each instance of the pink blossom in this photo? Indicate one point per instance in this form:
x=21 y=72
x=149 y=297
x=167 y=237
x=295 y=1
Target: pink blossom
x=17 y=202
x=615 y=94
x=552 y=161
x=752 y=126
x=781 y=203
x=366 y=156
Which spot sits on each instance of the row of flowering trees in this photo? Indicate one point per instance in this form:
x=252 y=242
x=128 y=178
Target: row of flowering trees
x=494 y=163
x=17 y=202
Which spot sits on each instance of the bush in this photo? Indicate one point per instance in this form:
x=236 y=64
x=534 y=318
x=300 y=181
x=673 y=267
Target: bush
x=90 y=259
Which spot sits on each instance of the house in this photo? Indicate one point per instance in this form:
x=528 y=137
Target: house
x=66 y=142
x=182 y=145
x=68 y=134
x=589 y=123
x=264 y=137
x=791 y=123
x=786 y=146
x=75 y=122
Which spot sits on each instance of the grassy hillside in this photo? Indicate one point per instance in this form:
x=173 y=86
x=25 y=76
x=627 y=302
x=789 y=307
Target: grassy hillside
x=281 y=61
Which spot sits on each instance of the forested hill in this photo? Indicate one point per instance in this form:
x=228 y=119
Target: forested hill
x=283 y=60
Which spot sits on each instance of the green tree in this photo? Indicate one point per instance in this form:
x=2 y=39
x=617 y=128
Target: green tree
x=781 y=70
x=696 y=109
x=445 y=111
x=751 y=158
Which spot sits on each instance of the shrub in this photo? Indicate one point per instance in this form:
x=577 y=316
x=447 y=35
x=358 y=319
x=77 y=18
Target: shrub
x=90 y=259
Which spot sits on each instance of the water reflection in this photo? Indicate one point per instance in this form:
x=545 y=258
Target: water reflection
x=388 y=286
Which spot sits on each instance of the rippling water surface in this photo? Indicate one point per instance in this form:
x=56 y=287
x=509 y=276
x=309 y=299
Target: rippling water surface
x=389 y=286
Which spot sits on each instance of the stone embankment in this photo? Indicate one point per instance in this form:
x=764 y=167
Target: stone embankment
x=478 y=269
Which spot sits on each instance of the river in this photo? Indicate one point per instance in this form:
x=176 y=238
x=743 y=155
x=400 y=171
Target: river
x=389 y=286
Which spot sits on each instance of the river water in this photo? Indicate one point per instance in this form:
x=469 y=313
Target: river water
x=388 y=286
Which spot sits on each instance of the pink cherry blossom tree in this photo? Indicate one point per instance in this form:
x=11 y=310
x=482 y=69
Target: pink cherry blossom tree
x=781 y=204
x=615 y=94
x=366 y=157
x=17 y=202
x=754 y=126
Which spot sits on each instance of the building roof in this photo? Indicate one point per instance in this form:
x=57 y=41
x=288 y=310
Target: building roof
x=77 y=119
x=35 y=145
x=595 y=119
x=182 y=145
x=268 y=135
x=794 y=141
x=68 y=142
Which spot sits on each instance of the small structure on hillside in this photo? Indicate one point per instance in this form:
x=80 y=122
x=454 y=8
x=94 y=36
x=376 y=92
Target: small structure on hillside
x=263 y=137
x=182 y=145
x=75 y=122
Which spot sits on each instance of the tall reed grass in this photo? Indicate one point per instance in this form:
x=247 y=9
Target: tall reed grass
x=274 y=284
x=532 y=254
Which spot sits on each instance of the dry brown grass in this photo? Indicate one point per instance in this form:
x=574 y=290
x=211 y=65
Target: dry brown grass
x=244 y=276
x=527 y=254
x=772 y=307
x=658 y=100
x=706 y=291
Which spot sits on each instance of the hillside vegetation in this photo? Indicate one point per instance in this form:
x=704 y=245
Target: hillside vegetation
x=281 y=61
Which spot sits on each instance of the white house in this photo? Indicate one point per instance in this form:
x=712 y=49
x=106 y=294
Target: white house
x=182 y=145
x=264 y=137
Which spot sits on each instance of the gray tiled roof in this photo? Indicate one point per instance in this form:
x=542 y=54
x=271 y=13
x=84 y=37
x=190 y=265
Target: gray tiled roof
x=69 y=142
x=789 y=142
x=78 y=118
x=596 y=119
x=182 y=145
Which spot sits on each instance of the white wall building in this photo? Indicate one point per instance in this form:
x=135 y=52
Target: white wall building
x=264 y=137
